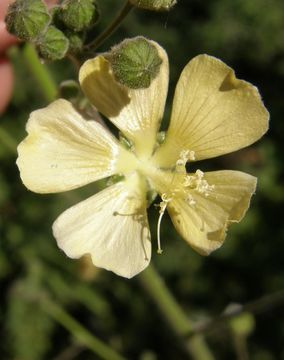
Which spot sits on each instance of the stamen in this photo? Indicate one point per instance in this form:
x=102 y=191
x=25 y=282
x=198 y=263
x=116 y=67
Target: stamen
x=191 y=155
x=197 y=183
x=159 y=250
x=163 y=205
x=184 y=156
x=190 y=200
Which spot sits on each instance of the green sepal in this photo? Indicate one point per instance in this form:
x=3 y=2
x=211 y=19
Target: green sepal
x=53 y=45
x=127 y=144
x=161 y=136
x=27 y=19
x=135 y=62
x=79 y=15
x=76 y=41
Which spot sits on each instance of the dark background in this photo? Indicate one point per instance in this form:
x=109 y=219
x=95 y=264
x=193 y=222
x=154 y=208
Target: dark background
x=248 y=36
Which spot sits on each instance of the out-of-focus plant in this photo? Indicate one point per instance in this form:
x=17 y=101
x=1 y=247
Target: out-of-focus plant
x=44 y=293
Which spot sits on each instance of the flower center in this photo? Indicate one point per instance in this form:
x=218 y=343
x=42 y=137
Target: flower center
x=182 y=186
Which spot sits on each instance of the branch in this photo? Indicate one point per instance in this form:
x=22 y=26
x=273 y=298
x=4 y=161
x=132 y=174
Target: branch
x=265 y=303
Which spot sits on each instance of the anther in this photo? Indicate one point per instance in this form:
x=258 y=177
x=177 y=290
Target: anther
x=184 y=156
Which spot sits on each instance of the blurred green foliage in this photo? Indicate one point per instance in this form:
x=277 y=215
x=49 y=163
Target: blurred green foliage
x=248 y=35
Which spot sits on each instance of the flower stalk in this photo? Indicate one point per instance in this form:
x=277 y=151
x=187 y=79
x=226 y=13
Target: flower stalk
x=176 y=317
x=92 y=46
x=40 y=73
x=80 y=333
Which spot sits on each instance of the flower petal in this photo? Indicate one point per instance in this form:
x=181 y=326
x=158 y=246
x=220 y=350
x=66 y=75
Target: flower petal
x=64 y=151
x=136 y=112
x=204 y=225
x=111 y=226
x=213 y=113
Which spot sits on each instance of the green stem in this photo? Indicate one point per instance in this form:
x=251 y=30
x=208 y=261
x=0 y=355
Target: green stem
x=267 y=302
x=40 y=73
x=112 y=27
x=174 y=314
x=7 y=140
x=80 y=333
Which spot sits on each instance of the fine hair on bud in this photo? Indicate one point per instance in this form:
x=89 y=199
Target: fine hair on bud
x=155 y=5
x=53 y=45
x=135 y=62
x=79 y=15
x=27 y=19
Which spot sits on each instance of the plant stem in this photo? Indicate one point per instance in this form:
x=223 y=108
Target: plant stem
x=80 y=333
x=174 y=314
x=40 y=73
x=265 y=303
x=7 y=140
x=112 y=27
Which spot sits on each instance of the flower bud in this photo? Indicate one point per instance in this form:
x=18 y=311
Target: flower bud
x=135 y=62
x=53 y=45
x=155 y=5
x=27 y=19
x=79 y=15
x=76 y=41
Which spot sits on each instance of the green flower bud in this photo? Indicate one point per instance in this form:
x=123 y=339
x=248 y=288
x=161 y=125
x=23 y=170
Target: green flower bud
x=79 y=15
x=156 y=5
x=53 y=45
x=27 y=19
x=135 y=62
x=76 y=41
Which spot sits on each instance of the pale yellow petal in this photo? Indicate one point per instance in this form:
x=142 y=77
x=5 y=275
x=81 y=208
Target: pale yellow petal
x=136 y=112
x=213 y=113
x=111 y=226
x=64 y=151
x=204 y=224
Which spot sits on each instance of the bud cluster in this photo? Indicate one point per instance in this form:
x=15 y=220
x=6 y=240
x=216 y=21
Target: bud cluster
x=55 y=32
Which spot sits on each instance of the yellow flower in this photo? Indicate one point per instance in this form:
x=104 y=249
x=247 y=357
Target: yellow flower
x=213 y=114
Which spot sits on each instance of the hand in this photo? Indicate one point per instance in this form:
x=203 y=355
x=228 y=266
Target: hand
x=6 y=71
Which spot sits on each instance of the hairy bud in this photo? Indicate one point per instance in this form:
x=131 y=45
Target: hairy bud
x=79 y=15
x=27 y=19
x=76 y=41
x=53 y=45
x=156 y=5
x=135 y=62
